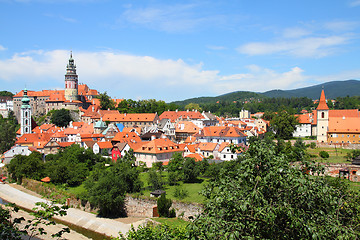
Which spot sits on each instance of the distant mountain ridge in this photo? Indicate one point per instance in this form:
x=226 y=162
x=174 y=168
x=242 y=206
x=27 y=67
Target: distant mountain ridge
x=332 y=89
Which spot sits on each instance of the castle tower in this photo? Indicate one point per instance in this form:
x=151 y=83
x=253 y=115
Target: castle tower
x=71 y=81
x=25 y=114
x=322 y=119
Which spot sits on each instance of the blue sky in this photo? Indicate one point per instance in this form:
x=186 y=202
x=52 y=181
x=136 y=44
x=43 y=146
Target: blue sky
x=173 y=50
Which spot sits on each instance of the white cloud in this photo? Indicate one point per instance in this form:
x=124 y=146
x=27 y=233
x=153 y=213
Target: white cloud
x=355 y=3
x=2 y=48
x=305 y=47
x=260 y=79
x=175 y=18
x=119 y=74
x=341 y=26
x=295 y=32
x=130 y=76
x=216 y=48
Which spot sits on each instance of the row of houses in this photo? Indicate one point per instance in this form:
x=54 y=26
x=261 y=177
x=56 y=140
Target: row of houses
x=151 y=142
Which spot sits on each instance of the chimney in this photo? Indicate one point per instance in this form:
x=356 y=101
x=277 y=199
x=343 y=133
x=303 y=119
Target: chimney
x=153 y=137
x=93 y=108
x=176 y=110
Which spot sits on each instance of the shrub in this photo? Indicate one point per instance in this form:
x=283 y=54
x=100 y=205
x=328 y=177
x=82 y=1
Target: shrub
x=312 y=145
x=324 y=154
x=172 y=213
x=180 y=192
x=164 y=205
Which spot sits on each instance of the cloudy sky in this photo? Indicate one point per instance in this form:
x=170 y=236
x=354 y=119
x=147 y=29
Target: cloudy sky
x=173 y=50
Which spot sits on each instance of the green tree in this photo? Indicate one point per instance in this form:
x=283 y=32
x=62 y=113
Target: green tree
x=108 y=189
x=193 y=106
x=106 y=102
x=266 y=196
x=8 y=127
x=61 y=118
x=190 y=170
x=284 y=124
x=164 y=205
x=42 y=216
x=31 y=166
x=155 y=180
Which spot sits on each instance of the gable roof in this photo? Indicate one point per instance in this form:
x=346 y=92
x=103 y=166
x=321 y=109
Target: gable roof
x=157 y=146
x=175 y=115
x=215 y=131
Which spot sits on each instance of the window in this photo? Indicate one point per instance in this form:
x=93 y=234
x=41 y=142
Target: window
x=348 y=135
x=224 y=156
x=322 y=115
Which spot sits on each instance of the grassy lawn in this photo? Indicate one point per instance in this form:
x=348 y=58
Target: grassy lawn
x=192 y=188
x=173 y=222
x=77 y=191
x=335 y=155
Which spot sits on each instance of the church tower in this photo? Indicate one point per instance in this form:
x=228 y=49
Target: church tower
x=71 y=81
x=25 y=114
x=322 y=119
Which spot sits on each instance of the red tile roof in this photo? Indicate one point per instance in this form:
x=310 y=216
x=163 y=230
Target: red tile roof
x=157 y=146
x=322 y=102
x=174 y=115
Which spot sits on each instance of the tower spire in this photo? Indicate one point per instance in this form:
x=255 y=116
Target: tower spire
x=322 y=102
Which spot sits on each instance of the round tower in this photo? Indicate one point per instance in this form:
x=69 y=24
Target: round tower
x=25 y=114
x=71 y=81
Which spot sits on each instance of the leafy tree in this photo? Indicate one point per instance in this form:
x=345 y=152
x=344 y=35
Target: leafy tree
x=152 y=231
x=71 y=165
x=31 y=166
x=108 y=189
x=163 y=205
x=10 y=226
x=190 y=170
x=193 y=106
x=8 y=127
x=268 y=197
x=61 y=118
x=180 y=192
x=155 y=180
x=106 y=102
x=284 y=124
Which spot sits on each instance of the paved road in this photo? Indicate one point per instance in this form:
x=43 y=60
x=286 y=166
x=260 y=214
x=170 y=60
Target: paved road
x=74 y=216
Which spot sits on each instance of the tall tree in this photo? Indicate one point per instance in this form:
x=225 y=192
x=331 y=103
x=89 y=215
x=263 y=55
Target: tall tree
x=61 y=117
x=106 y=102
x=284 y=124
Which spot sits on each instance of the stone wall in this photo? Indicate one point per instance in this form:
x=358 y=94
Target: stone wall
x=143 y=207
x=135 y=207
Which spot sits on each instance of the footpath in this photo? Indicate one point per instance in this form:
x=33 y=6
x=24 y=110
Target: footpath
x=74 y=216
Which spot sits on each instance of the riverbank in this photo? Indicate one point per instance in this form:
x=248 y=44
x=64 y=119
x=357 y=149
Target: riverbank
x=110 y=227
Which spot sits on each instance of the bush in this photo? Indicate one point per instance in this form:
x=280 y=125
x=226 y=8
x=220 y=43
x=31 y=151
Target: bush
x=172 y=178
x=172 y=213
x=324 y=154
x=180 y=192
x=164 y=205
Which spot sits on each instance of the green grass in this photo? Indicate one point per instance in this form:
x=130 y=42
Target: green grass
x=335 y=155
x=192 y=188
x=173 y=222
x=77 y=191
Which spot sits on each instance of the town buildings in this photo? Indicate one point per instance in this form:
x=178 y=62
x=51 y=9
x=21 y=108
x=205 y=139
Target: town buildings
x=74 y=96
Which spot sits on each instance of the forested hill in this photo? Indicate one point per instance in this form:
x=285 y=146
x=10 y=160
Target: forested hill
x=332 y=89
x=234 y=96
